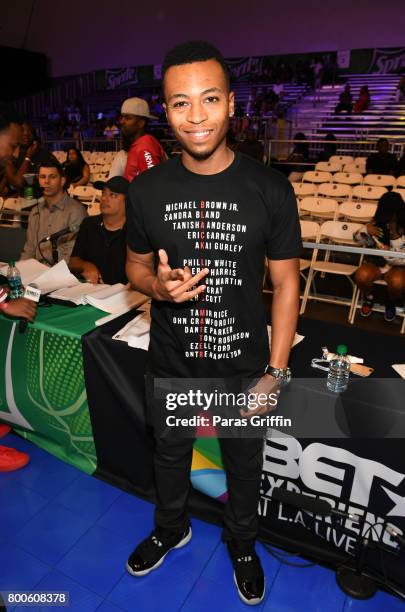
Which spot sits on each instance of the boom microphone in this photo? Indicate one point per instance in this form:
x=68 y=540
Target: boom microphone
x=71 y=229
x=310 y=504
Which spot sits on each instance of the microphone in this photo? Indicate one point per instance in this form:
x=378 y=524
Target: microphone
x=71 y=229
x=32 y=292
x=394 y=533
x=310 y=504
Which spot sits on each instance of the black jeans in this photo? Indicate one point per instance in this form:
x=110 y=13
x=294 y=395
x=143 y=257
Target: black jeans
x=243 y=461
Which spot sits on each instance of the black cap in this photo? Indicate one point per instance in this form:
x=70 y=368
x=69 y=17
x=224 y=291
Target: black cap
x=116 y=184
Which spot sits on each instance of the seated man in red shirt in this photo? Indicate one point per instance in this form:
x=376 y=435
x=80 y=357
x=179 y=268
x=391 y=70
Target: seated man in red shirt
x=144 y=151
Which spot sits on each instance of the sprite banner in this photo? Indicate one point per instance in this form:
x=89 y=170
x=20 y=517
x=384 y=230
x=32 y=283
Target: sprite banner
x=42 y=391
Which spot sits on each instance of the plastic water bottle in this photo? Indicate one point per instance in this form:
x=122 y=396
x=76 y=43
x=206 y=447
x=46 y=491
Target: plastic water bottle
x=339 y=370
x=14 y=281
x=28 y=192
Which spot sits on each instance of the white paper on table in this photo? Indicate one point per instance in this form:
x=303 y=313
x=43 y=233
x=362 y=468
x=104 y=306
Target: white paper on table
x=116 y=301
x=76 y=294
x=297 y=337
x=399 y=369
x=29 y=269
x=136 y=332
x=145 y=307
x=57 y=277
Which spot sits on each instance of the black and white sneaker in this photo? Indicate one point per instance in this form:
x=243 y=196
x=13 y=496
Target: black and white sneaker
x=150 y=553
x=248 y=574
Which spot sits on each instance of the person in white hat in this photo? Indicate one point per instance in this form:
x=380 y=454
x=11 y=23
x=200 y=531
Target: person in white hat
x=144 y=151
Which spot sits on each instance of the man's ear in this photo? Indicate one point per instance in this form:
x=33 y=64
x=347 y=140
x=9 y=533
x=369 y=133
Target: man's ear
x=231 y=103
x=63 y=180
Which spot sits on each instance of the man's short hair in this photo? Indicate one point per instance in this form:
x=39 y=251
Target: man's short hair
x=52 y=162
x=194 y=51
x=7 y=117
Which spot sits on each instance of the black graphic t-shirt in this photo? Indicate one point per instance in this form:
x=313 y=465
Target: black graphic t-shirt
x=226 y=222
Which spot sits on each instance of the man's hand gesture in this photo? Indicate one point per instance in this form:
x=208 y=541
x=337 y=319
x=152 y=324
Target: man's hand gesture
x=177 y=285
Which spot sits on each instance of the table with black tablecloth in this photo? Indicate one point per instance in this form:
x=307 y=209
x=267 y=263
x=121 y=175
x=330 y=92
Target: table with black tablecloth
x=363 y=474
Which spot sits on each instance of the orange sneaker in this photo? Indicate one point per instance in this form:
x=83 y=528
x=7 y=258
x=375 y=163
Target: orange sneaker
x=12 y=459
x=4 y=430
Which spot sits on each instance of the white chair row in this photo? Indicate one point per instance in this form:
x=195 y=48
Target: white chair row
x=99 y=157
x=328 y=166
x=347 y=159
x=353 y=178
x=100 y=167
x=340 y=191
x=95 y=157
x=98 y=176
x=327 y=208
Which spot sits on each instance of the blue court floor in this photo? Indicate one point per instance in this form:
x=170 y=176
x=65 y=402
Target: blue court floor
x=62 y=530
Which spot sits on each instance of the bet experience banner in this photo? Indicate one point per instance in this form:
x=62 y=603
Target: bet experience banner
x=42 y=392
x=362 y=477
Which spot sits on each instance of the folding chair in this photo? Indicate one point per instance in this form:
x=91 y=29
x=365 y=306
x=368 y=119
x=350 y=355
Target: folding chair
x=93 y=209
x=341 y=159
x=368 y=192
x=400 y=182
x=341 y=233
x=60 y=155
x=339 y=191
x=97 y=157
x=11 y=211
x=12 y=204
x=93 y=158
x=379 y=180
x=85 y=193
x=357 y=167
x=328 y=167
x=310 y=230
x=318 y=208
x=99 y=176
x=357 y=211
x=348 y=178
x=312 y=176
x=303 y=190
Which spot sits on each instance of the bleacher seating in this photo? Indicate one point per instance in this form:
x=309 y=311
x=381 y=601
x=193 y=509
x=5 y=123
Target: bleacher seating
x=315 y=112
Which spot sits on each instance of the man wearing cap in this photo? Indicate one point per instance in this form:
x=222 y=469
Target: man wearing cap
x=99 y=253
x=144 y=151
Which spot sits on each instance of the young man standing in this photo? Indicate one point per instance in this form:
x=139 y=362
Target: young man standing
x=211 y=216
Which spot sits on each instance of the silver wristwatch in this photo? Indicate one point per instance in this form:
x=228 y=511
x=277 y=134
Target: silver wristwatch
x=283 y=375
